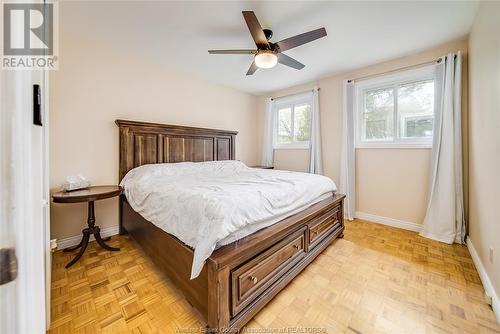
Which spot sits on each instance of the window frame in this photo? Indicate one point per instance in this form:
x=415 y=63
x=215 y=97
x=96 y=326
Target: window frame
x=390 y=81
x=290 y=102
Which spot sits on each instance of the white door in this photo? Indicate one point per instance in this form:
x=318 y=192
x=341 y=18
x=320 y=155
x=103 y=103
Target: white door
x=23 y=205
x=10 y=211
x=23 y=223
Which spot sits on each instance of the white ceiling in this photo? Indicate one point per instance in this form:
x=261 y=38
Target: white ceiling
x=179 y=34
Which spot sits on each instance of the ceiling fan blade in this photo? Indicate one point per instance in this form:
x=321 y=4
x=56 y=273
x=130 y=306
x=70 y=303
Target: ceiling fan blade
x=252 y=69
x=292 y=42
x=232 y=52
x=289 y=61
x=256 y=30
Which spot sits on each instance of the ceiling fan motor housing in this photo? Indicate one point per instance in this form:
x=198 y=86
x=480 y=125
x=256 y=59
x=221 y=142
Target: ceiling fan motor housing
x=268 y=33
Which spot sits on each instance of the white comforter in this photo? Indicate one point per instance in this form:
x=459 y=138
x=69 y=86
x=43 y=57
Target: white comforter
x=203 y=204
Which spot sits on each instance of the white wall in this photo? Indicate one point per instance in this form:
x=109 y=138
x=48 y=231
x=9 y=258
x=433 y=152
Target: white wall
x=97 y=83
x=484 y=145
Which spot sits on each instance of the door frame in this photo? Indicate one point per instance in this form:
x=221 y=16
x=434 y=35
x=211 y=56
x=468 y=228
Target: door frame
x=46 y=189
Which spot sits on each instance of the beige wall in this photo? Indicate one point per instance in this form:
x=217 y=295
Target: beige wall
x=292 y=159
x=96 y=85
x=391 y=183
x=484 y=127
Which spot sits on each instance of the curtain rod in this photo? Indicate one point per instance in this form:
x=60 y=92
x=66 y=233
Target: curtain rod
x=435 y=61
x=279 y=97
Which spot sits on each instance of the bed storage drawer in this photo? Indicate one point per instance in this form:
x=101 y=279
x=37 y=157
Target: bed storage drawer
x=255 y=276
x=324 y=225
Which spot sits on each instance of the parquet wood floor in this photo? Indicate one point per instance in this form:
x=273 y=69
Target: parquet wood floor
x=377 y=279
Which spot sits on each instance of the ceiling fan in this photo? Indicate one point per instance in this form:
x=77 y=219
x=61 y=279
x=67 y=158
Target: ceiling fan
x=268 y=54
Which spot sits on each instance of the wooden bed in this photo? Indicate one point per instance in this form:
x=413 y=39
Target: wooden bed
x=239 y=279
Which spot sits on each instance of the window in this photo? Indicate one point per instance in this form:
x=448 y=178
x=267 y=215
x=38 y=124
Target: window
x=293 y=121
x=396 y=111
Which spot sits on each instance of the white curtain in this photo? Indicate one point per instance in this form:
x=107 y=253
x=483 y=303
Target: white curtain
x=315 y=162
x=347 y=160
x=444 y=220
x=267 y=143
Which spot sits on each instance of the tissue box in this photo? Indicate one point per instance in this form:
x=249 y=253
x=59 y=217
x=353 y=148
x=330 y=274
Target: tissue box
x=75 y=183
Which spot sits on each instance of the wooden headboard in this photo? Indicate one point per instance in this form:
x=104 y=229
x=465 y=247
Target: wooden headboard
x=149 y=143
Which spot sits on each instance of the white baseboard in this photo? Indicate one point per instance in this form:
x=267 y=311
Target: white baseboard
x=485 y=279
x=72 y=241
x=389 y=221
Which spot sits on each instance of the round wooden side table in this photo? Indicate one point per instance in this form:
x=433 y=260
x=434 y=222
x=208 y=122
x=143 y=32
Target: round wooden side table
x=88 y=195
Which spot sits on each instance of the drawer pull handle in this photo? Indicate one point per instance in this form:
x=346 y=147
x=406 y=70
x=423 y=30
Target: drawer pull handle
x=254 y=279
x=296 y=246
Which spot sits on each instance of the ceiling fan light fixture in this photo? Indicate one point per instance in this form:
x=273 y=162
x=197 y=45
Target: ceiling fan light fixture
x=266 y=59
x=268 y=54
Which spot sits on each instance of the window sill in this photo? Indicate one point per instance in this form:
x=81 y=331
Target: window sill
x=394 y=146
x=291 y=147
